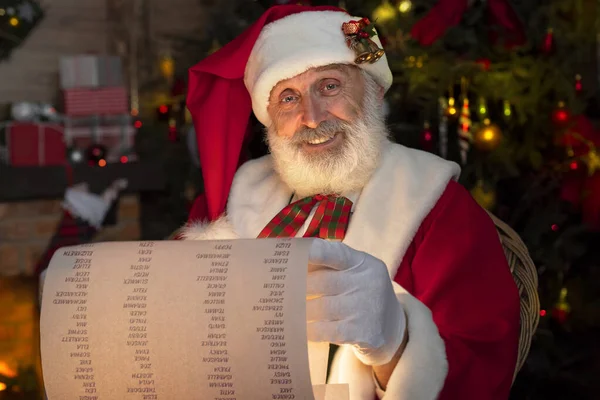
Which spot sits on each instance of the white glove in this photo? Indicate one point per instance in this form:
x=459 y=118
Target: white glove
x=350 y=300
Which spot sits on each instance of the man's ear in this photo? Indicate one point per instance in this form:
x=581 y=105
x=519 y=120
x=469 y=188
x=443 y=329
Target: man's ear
x=381 y=92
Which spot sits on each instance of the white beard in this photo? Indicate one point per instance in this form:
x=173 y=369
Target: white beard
x=344 y=169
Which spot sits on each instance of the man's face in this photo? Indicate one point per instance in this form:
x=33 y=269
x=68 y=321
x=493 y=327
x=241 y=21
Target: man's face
x=327 y=129
x=329 y=93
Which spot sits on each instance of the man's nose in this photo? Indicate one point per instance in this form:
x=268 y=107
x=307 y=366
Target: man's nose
x=313 y=112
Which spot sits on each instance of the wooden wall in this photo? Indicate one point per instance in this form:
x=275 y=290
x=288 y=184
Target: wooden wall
x=70 y=26
x=90 y=26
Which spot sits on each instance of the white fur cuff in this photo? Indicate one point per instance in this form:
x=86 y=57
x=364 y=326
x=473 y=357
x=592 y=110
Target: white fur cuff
x=220 y=229
x=421 y=371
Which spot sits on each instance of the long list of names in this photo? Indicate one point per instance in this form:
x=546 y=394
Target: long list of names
x=214 y=320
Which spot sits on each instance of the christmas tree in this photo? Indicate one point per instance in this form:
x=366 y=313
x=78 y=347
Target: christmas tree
x=17 y=19
x=509 y=90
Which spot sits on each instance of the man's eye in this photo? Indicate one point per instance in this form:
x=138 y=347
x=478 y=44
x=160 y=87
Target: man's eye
x=288 y=99
x=331 y=86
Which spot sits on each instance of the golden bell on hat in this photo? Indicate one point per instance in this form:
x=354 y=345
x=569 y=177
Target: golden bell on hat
x=363 y=52
x=375 y=51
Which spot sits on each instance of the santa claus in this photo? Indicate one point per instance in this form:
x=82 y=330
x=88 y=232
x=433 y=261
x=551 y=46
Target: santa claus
x=408 y=276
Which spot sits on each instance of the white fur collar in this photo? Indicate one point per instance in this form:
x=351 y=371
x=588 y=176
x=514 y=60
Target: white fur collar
x=389 y=211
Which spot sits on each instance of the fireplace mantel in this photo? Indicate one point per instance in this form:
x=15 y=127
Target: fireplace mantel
x=47 y=182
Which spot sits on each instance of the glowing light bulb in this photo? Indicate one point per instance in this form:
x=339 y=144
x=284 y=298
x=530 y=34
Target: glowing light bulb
x=384 y=12
x=404 y=6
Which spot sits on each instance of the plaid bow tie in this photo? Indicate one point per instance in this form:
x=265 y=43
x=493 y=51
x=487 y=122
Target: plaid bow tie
x=329 y=222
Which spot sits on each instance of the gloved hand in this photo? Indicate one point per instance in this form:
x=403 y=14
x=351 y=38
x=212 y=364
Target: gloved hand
x=350 y=300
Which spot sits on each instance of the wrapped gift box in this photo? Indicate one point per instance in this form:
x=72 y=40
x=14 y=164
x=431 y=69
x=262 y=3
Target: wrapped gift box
x=33 y=144
x=96 y=101
x=88 y=71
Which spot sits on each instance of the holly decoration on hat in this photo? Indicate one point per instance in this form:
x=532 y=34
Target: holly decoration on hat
x=358 y=38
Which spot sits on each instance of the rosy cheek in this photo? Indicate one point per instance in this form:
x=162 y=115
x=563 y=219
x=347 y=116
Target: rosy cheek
x=342 y=110
x=287 y=123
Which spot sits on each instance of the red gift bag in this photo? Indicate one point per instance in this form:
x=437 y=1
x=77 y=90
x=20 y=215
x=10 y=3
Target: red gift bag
x=31 y=144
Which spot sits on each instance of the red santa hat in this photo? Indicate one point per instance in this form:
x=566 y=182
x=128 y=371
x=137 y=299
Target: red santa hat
x=226 y=86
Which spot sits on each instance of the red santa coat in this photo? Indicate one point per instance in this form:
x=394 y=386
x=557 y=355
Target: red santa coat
x=444 y=257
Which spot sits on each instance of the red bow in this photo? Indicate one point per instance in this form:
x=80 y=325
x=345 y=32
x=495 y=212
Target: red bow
x=448 y=13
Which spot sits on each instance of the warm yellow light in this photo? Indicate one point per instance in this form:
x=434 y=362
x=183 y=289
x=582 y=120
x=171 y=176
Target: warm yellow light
x=2 y=386
x=482 y=110
x=384 y=12
x=404 y=6
x=13 y=21
x=167 y=67
x=451 y=110
x=488 y=135
x=593 y=161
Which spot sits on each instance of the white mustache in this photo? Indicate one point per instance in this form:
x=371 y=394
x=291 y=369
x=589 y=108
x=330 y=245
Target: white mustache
x=325 y=130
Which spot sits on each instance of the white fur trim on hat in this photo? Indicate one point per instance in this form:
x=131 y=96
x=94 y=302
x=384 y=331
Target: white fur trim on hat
x=296 y=43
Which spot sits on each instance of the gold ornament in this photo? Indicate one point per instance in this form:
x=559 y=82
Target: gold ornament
x=592 y=160
x=488 y=137
x=451 y=111
x=484 y=195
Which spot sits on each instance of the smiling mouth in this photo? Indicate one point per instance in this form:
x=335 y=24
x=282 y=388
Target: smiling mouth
x=321 y=141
